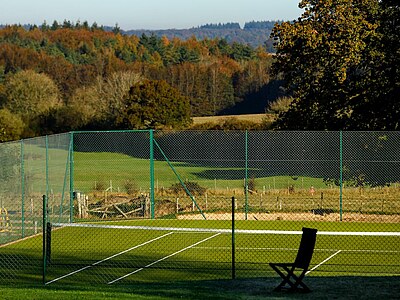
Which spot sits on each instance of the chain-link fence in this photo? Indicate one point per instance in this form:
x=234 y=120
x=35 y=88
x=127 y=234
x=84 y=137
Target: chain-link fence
x=30 y=169
x=152 y=206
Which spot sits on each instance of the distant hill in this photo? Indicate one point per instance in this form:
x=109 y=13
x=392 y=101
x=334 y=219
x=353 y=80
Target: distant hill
x=255 y=33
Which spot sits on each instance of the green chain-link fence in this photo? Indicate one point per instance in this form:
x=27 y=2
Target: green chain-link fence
x=30 y=169
x=147 y=205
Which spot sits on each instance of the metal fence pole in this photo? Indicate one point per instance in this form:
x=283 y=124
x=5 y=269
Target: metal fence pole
x=341 y=175
x=246 y=180
x=67 y=167
x=44 y=238
x=152 y=173
x=22 y=190
x=71 y=178
x=47 y=166
x=233 y=240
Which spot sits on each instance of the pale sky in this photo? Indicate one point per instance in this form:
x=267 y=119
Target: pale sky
x=147 y=14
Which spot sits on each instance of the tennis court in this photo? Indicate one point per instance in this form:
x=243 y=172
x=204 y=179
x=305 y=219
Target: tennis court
x=202 y=250
x=144 y=207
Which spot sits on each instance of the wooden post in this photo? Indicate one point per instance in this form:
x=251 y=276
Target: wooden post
x=78 y=198
x=322 y=199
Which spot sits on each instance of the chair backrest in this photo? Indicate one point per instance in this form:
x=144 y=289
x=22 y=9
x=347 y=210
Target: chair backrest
x=306 y=248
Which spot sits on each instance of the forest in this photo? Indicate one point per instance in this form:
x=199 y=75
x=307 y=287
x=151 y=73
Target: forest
x=70 y=76
x=254 y=33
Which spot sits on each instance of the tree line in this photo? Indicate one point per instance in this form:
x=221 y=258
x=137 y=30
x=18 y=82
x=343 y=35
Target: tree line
x=254 y=33
x=60 y=77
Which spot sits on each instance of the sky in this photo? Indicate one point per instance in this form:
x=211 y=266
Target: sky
x=147 y=14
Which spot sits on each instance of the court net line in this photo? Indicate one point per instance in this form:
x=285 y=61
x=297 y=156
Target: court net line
x=221 y=230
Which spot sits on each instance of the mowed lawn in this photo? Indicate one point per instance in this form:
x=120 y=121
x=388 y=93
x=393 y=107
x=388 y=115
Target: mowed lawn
x=105 y=168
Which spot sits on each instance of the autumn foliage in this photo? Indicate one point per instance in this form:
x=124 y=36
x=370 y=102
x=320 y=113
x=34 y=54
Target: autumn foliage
x=81 y=62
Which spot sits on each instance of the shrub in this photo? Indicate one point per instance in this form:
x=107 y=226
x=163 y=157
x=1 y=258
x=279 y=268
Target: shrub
x=280 y=105
x=193 y=187
x=99 y=186
x=130 y=186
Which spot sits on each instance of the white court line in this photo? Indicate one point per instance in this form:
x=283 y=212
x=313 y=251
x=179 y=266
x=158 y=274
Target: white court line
x=245 y=231
x=108 y=258
x=164 y=258
x=296 y=249
x=324 y=261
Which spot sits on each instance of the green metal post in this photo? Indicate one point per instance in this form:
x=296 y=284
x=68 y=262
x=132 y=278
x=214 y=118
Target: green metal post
x=22 y=190
x=71 y=178
x=44 y=238
x=341 y=176
x=67 y=166
x=47 y=167
x=152 y=174
x=233 y=240
x=179 y=179
x=246 y=180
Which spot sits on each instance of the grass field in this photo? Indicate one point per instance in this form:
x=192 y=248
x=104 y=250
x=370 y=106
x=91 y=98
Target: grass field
x=92 y=168
x=345 y=287
x=256 y=118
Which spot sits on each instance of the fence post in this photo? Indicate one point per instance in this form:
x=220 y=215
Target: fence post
x=341 y=176
x=246 y=181
x=22 y=190
x=151 y=173
x=44 y=253
x=47 y=167
x=67 y=166
x=233 y=239
x=71 y=178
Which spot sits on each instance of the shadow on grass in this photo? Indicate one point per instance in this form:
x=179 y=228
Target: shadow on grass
x=345 y=287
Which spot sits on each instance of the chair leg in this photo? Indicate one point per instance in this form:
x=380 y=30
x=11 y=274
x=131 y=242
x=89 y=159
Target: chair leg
x=295 y=282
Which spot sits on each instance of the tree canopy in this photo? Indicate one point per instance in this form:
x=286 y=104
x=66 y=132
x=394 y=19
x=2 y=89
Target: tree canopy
x=154 y=104
x=340 y=63
x=93 y=70
x=11 y=126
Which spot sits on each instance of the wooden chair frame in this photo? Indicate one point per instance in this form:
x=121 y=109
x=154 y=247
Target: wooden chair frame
x=291 y=281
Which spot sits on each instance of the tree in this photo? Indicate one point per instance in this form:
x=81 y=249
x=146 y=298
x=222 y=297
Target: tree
x=96 y=106
x=30 y=94
x=11 y=126
x=154 y=104
x=322 y=57
x=381 y=110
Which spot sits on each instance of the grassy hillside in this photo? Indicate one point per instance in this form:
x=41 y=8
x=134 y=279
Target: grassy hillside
x=256 y=118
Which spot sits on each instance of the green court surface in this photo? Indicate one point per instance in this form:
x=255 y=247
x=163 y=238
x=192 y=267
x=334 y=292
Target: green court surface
x=113 y=253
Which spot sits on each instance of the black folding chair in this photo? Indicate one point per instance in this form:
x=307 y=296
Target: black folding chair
x=291 y=281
